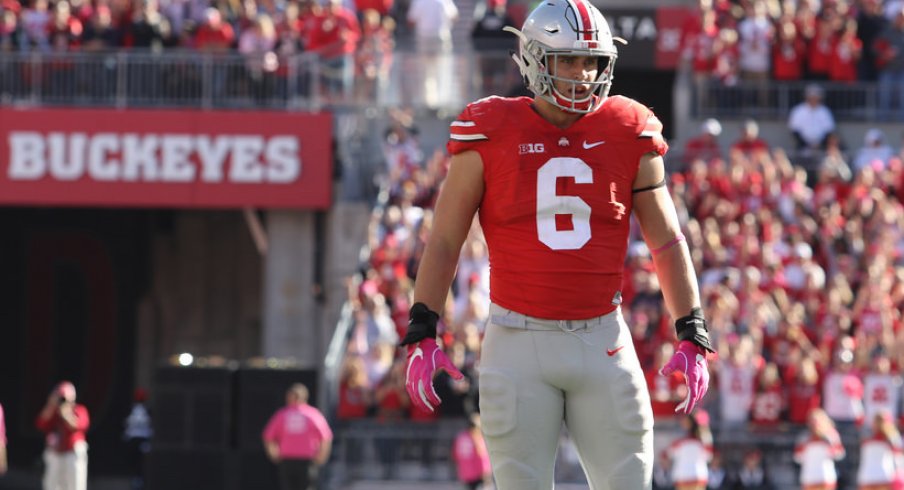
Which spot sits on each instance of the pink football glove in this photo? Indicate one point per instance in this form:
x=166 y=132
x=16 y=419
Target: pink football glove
x=425 y=359
x=690 y=359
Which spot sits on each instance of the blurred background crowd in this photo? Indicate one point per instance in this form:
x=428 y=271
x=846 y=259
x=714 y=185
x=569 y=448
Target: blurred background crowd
x=723 y=42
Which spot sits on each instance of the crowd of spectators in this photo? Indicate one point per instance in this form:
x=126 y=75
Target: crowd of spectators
x=242 y=26
x=353 y=42
x=750 y=42
x=759 y=40
x=723 y=42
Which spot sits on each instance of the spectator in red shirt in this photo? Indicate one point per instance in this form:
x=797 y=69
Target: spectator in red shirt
x=64 y=423
x=788 y=53
x=846 y=54
x=768 y=401
x=374 y=58
x=700 y=50
x=727 y=67
x=819 y=51
x=355 y=394
x=392 y=406
x=804 y=392
x=750 y=142
x=215 y=37
x=706 y=145
x=382 y=7
x=335 y=38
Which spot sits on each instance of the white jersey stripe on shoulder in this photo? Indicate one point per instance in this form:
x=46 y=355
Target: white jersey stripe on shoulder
x=464 y=124
x=649 y=133
x=468 y=137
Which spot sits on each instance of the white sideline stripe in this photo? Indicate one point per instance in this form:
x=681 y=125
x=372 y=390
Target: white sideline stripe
x=468 y=137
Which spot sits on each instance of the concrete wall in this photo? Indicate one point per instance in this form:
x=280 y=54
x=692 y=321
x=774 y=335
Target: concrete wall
x=205 y=290
x=213 y=294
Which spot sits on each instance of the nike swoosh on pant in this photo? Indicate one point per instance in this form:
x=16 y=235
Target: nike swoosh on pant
x=614 y=351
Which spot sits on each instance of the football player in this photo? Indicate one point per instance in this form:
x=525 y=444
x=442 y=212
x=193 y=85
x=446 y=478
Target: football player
x=555 y=178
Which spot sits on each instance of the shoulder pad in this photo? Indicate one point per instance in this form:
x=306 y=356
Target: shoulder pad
x=478 y=122
x=636 y=120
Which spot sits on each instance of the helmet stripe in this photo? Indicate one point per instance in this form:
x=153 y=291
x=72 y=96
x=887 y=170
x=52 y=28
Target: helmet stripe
x=585 y=19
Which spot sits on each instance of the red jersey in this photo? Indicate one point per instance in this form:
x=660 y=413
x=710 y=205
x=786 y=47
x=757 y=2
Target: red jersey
x=845 y=55
x=750 y=147
x=802 y=399
x=767 y=406
x=664 y=393
x=556 y=204
x=59 y=436
x=819 y=55
x=213 y=38
x=353 y=402
x=788 y=60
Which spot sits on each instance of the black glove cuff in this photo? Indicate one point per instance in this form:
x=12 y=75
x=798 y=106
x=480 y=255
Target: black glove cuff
x=421 y=324
x=693 y=328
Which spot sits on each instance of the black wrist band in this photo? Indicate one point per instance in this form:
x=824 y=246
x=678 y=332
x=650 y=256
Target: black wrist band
x=421 y=324
x=693 y=328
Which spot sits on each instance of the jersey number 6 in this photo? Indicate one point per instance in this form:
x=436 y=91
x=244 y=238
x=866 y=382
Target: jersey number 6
x=549 y=204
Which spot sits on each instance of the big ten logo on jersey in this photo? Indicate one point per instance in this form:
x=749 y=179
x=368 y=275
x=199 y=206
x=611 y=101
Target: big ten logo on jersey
x=525 y=148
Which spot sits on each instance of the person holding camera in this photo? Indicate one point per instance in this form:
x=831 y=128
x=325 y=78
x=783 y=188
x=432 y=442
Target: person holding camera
x=64 y=423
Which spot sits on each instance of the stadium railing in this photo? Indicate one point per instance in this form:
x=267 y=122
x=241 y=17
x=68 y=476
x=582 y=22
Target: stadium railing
x=369 y=449
x=182 y=78
x=178 y=78
x=850 y=102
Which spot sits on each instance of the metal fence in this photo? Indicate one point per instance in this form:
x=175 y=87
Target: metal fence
x=421 y=452
x=191 y=79
x=774 y=100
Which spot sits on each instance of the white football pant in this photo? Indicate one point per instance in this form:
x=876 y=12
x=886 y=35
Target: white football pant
x=535 y=374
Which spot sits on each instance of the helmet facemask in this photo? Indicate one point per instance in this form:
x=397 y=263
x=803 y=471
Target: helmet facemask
x=566 y=28
x=571 y=100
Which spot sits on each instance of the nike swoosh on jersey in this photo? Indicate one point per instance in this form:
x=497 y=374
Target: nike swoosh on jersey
x=612 y=352
x=588 y=146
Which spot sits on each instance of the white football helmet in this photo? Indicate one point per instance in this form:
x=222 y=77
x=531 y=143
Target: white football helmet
x=570 y=28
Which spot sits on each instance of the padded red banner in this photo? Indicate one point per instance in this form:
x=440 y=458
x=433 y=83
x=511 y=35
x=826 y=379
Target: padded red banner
x=165 y=158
